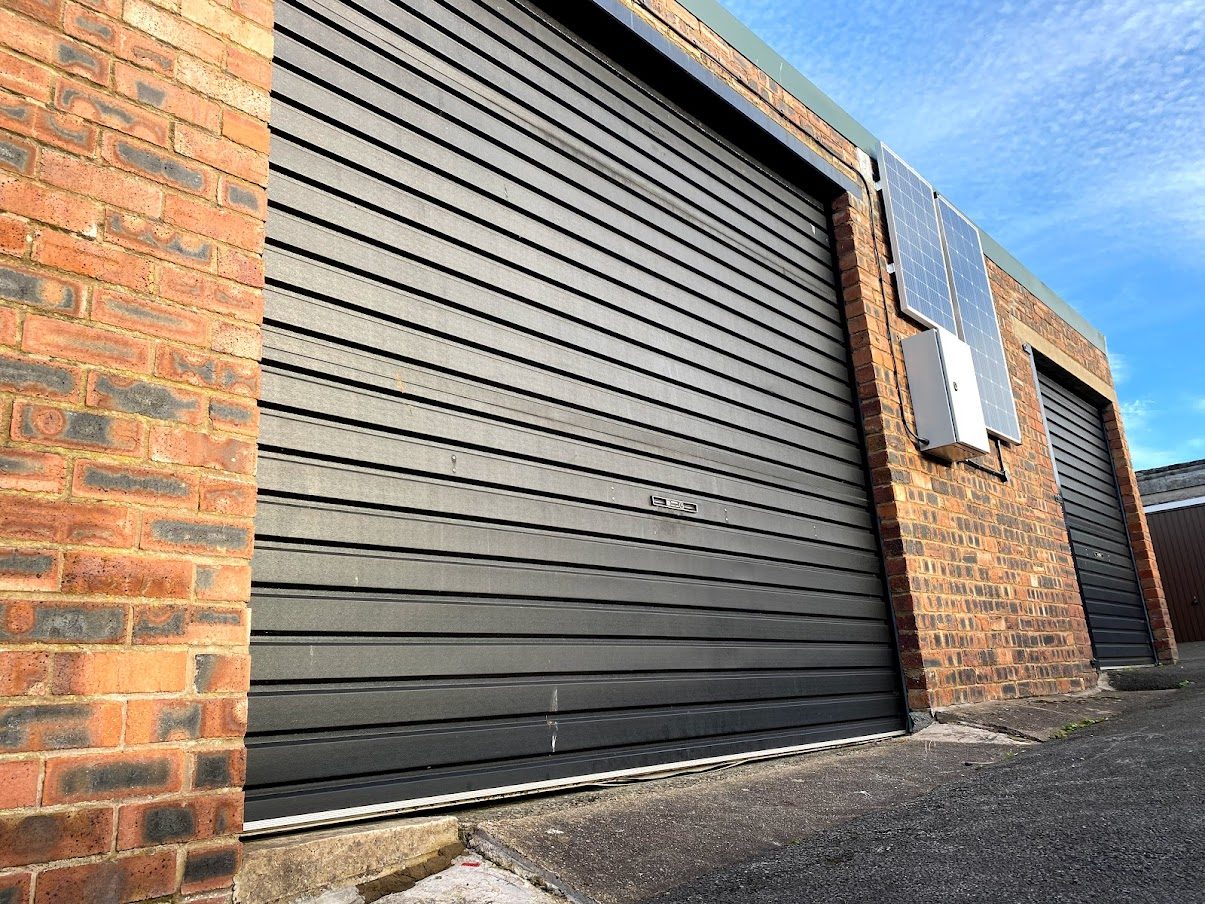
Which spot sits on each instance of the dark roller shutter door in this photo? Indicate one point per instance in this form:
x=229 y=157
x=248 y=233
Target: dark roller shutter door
x=1096 y=524
x=560 y=472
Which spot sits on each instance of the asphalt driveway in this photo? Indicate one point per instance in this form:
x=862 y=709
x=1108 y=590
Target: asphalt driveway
x=1114 y=812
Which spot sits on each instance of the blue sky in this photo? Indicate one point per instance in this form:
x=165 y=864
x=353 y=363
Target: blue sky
x=1074 y=133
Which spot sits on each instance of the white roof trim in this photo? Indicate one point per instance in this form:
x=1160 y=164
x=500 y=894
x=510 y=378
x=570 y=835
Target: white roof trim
x=1175 y=504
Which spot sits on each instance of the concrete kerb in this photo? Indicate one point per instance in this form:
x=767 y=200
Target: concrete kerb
x=291 y=867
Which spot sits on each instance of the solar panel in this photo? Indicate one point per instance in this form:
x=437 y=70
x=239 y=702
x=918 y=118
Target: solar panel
x=920 y=267
x=977 y=321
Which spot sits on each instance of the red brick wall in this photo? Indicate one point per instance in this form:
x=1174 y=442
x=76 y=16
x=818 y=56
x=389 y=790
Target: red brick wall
x=981 y=575
x=133 y=144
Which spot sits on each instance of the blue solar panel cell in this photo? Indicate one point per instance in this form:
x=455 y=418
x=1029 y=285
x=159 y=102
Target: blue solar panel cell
x=920 y=267
x=977 y=322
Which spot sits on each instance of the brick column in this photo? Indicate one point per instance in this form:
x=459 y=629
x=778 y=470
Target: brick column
x=875 y=375
x=133 y=159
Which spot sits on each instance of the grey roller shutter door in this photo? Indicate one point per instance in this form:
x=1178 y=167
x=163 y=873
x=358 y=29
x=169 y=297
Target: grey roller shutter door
x=513 y=295
x=1096 y=524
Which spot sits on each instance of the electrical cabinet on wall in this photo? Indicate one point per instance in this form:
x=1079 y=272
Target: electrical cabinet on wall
x=945 y=395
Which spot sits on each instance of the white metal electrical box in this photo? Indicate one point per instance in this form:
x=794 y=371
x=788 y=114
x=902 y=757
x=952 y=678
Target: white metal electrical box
x=945 y=395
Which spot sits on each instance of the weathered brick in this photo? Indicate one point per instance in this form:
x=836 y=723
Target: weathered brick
x=241 y=267
x=86 y=258
x=18 y=784
x=81 y=22
x=237 y=339
x=218 y=18
x=204 y=218
x=17 y=114
x=25 y=78
x=27 y=838
x=173 y=30
x=152 y=318
x=231 y=90
x=169 y=97
x=39 y=378
x=17 y=154
x=103 y=183
x=30 y=621
x=209 y=868
x=109 y=776
x=14 y=235
x=85 y=344
x=41 y=290
x=68 y=523
x=15 y=887
x=223 y=582
x=24 y=673
x=258 y=11
x=153 y=400
x=120 y=880
x=119 y=671
x=45 y=10
x=171 y=533
x=208 y=371
x=194 y=818
x=227 y=497
x=221 y=672
x=219 y=769
x=249 y=67
x=150 y=486
x=10 y=320
x=112 y=575
x=200 y=290
x=29 y=569
x=159 y=721
x=148 y=161
x=64 y=131
x=37 y=202
x=232 y=414
x=59 y=726
x=246 y=130
x=244 y=197
x=21 y=469
x=189 y=447
x=178 y=624
x=222 y=154
x=79 y=59
x=77 y=429
x=30 y=38
x=158 y=240
x=143 y=50
x=112 y=113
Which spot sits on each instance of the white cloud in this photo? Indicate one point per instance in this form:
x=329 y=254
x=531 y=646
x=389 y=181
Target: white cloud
x=1062 y=127
x=1119 y=366
x=1153 y=442
x=1136 y=413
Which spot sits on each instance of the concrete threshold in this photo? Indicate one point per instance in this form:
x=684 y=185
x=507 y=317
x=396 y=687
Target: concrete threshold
x=359 y=862
x=1039 y=719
